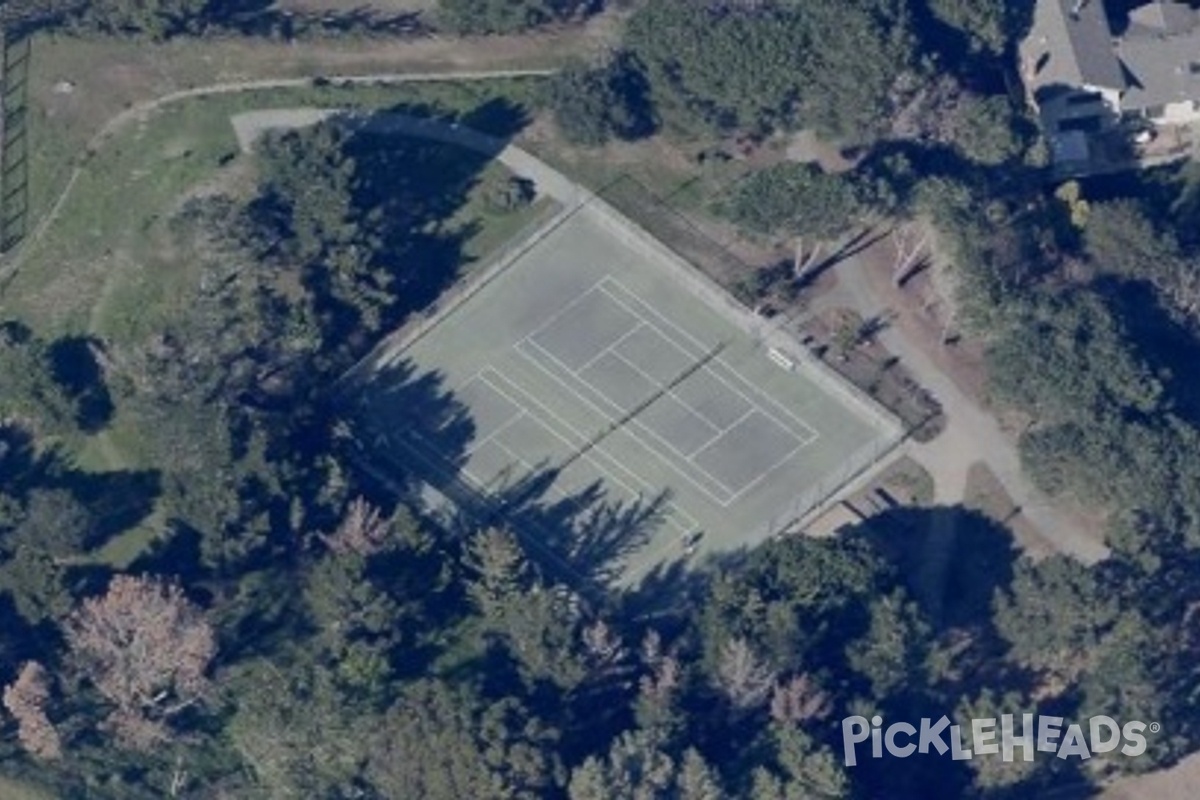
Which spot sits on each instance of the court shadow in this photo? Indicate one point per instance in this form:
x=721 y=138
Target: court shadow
x=406 y=428
x=584 y=536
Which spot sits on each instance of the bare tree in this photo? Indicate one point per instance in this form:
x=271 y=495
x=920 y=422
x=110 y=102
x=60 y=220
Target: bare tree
x=364 y=530
x=603 y=646
x=745 y=679
x=912 y=243
x=25 y=698
x=652 y=649
x=659 y=686
x=145 y=647
x=798 y=700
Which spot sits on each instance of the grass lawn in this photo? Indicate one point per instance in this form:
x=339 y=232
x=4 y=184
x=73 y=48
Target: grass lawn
x=108 y=222
x=108 y=265
x=13 y=789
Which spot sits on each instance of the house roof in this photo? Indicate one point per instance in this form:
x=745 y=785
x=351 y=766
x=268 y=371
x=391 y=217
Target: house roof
x=1075 y=45
x=1162 y=17
x=1164 y=69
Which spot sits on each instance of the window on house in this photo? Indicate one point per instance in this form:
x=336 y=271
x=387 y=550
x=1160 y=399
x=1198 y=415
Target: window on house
x=1194 y=67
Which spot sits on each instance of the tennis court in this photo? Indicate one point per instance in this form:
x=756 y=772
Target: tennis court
x=590 y=361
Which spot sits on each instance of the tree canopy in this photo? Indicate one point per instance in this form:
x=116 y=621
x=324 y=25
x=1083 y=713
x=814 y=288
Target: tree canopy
x=761 y=67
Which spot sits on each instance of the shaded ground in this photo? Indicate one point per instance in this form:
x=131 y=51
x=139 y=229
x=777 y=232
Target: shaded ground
x=954 y=376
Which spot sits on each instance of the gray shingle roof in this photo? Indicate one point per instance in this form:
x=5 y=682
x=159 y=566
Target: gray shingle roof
x=1166 y=69
x=1162 y=17
x=1078 y=41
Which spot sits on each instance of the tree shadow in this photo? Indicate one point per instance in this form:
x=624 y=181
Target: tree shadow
x=585 y=532
x=260 y=18
x=863 y=240
x=1161 y=338
x=412 y=433
x=412 y=171
x=24 y=465
x=953 y=559
x=75 y=366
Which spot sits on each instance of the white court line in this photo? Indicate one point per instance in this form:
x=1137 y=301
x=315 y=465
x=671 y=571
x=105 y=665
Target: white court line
x=561 y=438
x=579 y=298
x=800 y=445
x=733 y=495
x=611 y=349
x=721 y=433
x=461 y=387
x=703 y=349
x=804 y=426
x=562 y=495
x=432 y=461
x=606 y=350
x=607 y=473
x=510 y=421
x=658 y=385
x=663 y=457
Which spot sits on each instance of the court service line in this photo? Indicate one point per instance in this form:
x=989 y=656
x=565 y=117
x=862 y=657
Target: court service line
x=804 y=426
x=501 y=428
x=579 y=298
x=604 y=471
x=607 y=350
x=656 y=452
x=516 y=415
x=562 y=495
x=659 y=386
x=726 y=430
x=800 y=445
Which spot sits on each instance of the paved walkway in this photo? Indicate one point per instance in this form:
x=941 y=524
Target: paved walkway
x=972 y=433
x=250 y=125
x=141 y=111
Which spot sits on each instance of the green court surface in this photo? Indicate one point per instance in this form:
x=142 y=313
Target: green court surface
x=596 y=403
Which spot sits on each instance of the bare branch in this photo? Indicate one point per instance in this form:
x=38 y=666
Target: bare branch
x=145 y=648
x=799 y=700
x=745 y=679
x=26 y=698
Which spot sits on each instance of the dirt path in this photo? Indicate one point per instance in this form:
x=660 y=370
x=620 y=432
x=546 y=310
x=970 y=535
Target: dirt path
x=972 y=432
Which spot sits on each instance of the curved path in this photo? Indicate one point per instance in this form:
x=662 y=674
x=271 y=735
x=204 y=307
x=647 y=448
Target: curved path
x=141 y=111
x=971 y=430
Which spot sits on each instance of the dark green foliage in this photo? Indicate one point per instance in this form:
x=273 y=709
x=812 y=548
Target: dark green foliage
x=990 y=25
x=828 y=65
x=987 y=130
x=510 y=194
x=793 y=199
x=793 y=600
x=894 y=650
x=29 y=394
x=443 y=743
x=157 y=19
x=1054 y=615
x=1070 y=357
x=595 y=104
x=507 y=16
x=1107 y=426
x=803 y=768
